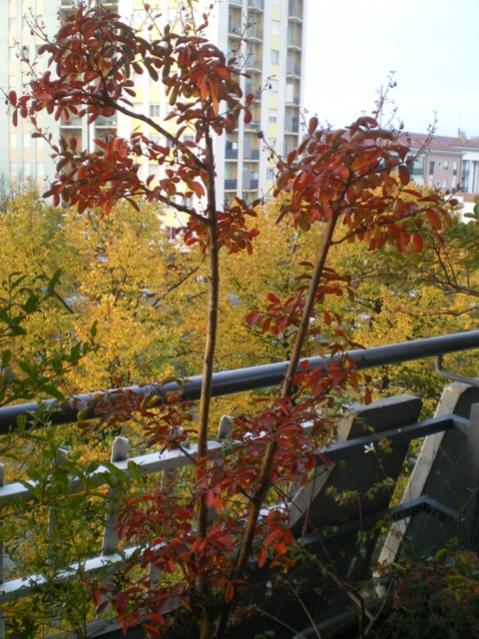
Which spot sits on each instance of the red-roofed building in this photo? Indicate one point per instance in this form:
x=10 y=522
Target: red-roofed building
x=447 y=163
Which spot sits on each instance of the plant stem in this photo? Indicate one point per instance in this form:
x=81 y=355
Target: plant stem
x=268 y=459
x=211 y=332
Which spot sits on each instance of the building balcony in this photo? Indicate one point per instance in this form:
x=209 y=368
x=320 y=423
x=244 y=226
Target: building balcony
x=294 y=42
x=251 y=154
x=291 y=125
x=293 y=69
x=250 y=88
x=293 y=102
x=250 y=184
x=256 y=5
x=254 y=125
x=72 y=123
x=106 y=121
x=231 y=154
x=236 y=3
x=231 y=185
x=254 y=65
x=254 y=33
x=295 y=11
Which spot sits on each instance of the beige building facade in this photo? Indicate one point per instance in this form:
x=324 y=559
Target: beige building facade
x=266 y=37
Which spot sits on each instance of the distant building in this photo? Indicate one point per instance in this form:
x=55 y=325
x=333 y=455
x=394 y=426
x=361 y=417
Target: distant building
x=446 y=163
x=265 y=36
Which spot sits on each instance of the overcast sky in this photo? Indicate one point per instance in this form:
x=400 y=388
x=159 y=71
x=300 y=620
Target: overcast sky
x=432 y=45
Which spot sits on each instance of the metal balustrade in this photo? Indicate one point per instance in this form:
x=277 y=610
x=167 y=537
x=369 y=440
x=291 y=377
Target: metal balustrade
x=168 y=462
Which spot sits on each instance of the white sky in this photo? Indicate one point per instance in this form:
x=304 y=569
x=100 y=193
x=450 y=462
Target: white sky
x=432 y=45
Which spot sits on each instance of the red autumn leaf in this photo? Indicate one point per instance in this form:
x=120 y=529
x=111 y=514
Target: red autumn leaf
x=229 y=592
x=252 y=318
x=434 y=219
x=418 y=242
x=404 y=175
x=273 y=298
x=262 y=556
x=313 y=125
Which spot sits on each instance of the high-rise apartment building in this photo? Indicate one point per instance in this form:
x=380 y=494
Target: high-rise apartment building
x=266 y=37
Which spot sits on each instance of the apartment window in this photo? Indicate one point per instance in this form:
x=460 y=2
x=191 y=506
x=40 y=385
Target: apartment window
x=276 y=27
x=446 y=165
x=270 y=173
x=274 y=56
x=439 y=165
x=155 y=110
x=454 y=168
x=431 y=167
x=273 y=115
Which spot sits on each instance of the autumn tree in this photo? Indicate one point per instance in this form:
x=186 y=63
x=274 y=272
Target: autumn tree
x=352 y=184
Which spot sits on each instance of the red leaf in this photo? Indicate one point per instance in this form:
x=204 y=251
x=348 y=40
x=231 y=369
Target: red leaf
x=229 y=592
x=434 y=219
x=12 y=97
x=417 y=242
x=252 y=318
x=404 y=175
x=273 y=298
x=313 y=125
x=262 y=557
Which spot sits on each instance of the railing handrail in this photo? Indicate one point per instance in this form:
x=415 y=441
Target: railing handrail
x=243 y=379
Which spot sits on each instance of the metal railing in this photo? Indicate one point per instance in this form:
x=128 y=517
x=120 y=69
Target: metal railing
x=241 y=379
x=223 y=383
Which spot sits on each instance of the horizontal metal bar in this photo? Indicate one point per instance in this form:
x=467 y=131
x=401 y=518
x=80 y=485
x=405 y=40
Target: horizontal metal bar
x=241 y=379
x=402 y=511
x=147 y=465
x=18 y=588
x=366 y=445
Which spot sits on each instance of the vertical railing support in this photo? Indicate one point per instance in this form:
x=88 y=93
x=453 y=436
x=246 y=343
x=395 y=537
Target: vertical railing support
x=2 y=576
x=471 y=509
x=119 y=452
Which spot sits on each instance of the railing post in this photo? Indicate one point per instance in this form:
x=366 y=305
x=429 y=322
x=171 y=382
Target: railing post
x=167 y=485
x=2 y=576
x=52 y=532
x=119 y=452
x=470 y=510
